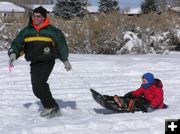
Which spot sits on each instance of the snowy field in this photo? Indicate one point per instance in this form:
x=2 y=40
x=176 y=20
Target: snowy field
x=19 y=108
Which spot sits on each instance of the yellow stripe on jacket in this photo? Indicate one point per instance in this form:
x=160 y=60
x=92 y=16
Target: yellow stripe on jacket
x=46 y=39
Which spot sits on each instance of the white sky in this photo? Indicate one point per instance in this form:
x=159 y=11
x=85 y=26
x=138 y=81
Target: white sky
x=122 y=3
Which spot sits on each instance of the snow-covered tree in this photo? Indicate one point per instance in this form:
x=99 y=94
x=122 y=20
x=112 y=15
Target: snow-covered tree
x=70 y=8
x=108 y=5
x=149 y=6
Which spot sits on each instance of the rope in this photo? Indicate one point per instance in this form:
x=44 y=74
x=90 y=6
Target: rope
x=84 y=81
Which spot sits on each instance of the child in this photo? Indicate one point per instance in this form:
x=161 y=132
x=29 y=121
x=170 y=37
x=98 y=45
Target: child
x=147 y=98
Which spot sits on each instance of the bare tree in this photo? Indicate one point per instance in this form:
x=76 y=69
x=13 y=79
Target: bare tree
x=177 y=2
x=173 y=2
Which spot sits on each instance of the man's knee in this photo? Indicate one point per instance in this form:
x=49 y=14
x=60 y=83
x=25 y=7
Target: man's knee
x=39 y=88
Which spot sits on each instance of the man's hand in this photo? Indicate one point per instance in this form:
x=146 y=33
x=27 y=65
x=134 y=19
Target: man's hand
x=67 y=65
x=12 y=58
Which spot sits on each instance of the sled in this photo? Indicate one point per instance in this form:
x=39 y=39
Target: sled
x=110 y=105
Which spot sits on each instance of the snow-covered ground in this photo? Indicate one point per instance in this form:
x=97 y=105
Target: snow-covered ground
x=108 y=74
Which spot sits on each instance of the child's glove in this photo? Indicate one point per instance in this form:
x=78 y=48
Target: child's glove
x=12 y=58
x=67 y=65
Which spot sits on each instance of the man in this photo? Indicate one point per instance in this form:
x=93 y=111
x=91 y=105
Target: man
x=41 y=43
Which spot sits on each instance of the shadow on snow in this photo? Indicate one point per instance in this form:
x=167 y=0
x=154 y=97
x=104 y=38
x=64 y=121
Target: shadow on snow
x=61 y=103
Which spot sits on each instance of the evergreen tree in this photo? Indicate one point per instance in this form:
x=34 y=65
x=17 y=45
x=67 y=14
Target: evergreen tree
x=70 y=8
x=162 y=4
x=149 y=6
x=108 y=5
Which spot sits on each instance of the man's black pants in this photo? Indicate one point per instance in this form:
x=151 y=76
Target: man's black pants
x=40 y=72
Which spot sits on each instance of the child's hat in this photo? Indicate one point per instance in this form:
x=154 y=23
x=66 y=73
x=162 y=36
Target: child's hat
x=149 y=77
